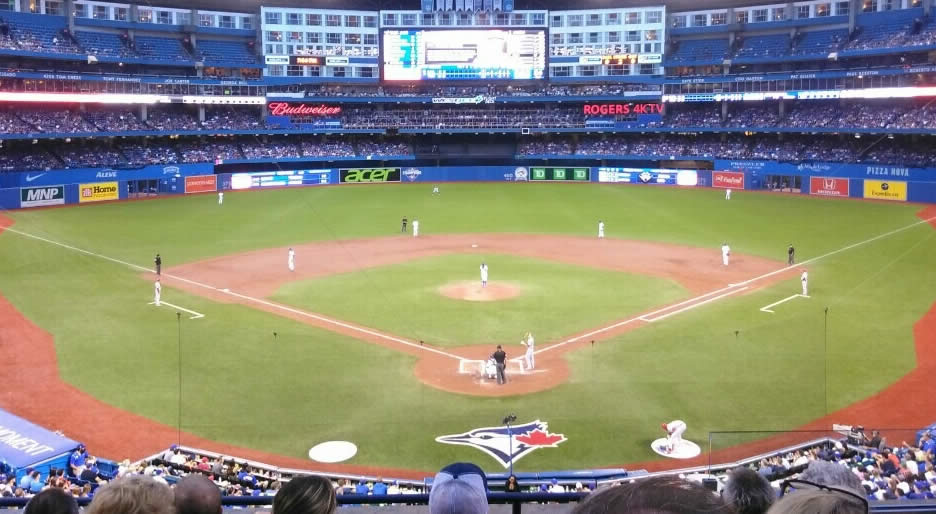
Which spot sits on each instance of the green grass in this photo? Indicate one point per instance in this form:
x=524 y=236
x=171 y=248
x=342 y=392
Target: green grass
x=309 y=385
x=555 y=299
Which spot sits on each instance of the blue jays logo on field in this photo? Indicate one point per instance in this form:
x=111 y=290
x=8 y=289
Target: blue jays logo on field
x=412 y=174
x=496 y=442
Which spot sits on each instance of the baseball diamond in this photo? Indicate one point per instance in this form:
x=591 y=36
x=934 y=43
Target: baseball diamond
x=644 y=323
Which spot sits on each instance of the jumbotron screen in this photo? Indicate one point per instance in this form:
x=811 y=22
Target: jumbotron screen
x=415 y=55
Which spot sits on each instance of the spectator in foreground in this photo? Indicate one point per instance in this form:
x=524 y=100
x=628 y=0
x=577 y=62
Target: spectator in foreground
x=749 y=492
x=820 y=501
x=832 y=474
x=660 y=495
x=305 y=495
x=52 y=501
x=133 y=494
x=459 y=488
x=197 y=494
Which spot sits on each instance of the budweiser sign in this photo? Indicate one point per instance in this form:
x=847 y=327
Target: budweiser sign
x=288 y=109
x=728 y=179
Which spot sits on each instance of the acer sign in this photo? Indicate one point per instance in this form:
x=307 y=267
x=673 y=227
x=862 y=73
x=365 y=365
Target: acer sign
x=623 y=108
x=728 y=179
x=303 y=109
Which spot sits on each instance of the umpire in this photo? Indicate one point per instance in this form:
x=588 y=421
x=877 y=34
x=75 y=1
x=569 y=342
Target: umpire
x=791 y=255
x=500 y=361
x=158 y=262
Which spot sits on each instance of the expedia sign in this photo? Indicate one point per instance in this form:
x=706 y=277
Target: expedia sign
x=42 y=196
x=368 y=175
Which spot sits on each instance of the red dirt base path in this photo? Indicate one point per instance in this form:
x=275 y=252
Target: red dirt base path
x=257 y=274
x=36 y=391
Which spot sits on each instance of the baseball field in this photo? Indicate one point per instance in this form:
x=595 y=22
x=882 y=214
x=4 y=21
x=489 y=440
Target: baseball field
x=376 y=336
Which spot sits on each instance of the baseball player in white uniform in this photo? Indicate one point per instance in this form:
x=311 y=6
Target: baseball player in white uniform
x=484 y=274
x=157 y=291
x=728 y=194
x=600 y=229
x=528 y=356
x=804 y=278
x=291 y=260
x=415 y=228
x=220 y=197
x=674 y=431
x=725 y=253
x=435 y=190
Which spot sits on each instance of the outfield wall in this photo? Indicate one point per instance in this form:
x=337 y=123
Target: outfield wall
x=92 y=185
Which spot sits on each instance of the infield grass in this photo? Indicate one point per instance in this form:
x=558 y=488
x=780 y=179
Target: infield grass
x=243 y=387
x=554 y=300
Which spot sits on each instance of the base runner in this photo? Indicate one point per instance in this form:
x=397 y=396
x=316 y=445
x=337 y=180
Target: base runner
x=157 y=292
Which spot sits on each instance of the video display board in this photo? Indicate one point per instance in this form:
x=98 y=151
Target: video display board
x=463 y=54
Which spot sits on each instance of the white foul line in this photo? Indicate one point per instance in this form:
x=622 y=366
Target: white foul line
x=195 y=315
x=643 y=317
x=693 y=306
x=451 y=355
x=244 y=297
x=766 y=308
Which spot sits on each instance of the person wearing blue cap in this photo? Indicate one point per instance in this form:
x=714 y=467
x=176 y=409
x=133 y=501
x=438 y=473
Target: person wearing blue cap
x=459 y=488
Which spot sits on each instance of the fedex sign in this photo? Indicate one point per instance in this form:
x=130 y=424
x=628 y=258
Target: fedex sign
x=623 y=108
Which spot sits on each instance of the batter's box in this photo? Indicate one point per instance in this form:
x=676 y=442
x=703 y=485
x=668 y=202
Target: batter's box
x=482 y=369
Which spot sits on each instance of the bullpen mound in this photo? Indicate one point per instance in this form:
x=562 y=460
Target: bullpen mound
x=473 y=292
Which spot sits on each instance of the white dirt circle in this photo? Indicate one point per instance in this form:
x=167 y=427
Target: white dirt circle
x=685 y=449
x=333 y=451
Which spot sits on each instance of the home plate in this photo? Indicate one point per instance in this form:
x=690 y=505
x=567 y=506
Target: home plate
x=333 y=451
x=685 y=449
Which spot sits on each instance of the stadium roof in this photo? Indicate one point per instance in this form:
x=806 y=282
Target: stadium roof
x=254 y=5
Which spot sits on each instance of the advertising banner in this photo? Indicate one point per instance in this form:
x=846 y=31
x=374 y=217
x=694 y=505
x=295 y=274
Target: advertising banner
x=42 y=196
x=728 y=179
x=895 y=190
x=23 y=443
x=90 y=175
x=649 y=176
x=368 y=175
x=828 y=186
x=201 y=184
x=578 y=174
x=281 y=178
x=98 y=192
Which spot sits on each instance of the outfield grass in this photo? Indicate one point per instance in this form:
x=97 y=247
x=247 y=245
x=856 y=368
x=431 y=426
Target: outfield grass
x=309 y=385
x=555 y=299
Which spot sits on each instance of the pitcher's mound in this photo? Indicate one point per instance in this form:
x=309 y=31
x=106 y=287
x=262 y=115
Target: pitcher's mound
x=473 y=292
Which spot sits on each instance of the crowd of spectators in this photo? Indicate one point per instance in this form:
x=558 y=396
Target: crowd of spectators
x=546 y=147
x=382 y=148
x=879 y=150
x=171 y=119
x=840 y=476
x=788 y=148
x=115 y=120
x=56 y=121
x=209 y=151
x=232 y=119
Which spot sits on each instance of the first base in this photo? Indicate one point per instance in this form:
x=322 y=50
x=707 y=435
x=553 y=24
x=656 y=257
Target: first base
x=685 y=449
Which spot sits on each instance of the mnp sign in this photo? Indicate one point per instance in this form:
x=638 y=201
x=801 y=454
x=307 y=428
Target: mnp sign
x=368 y=175
x=98 y=192
x=42 y=196
x=895 y=190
